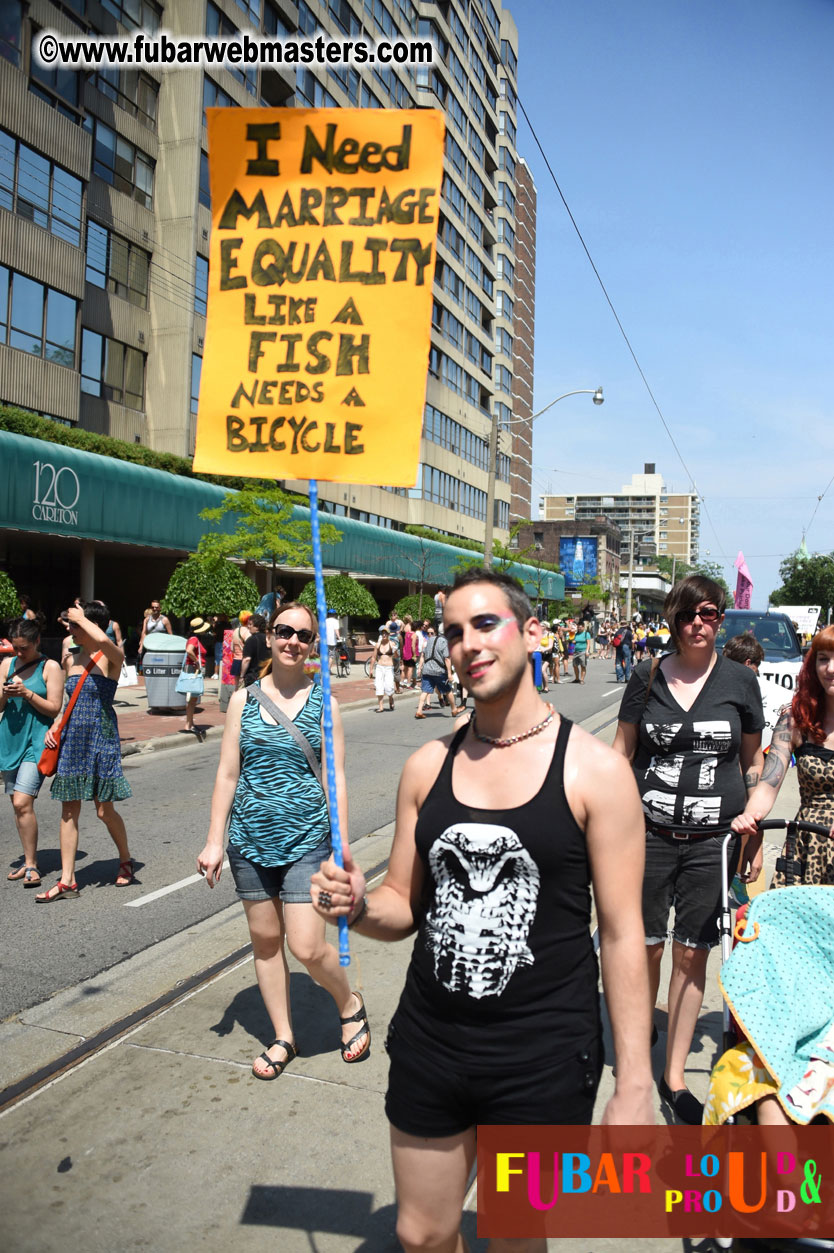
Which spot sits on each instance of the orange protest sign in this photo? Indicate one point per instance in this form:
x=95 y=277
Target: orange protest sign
x=320 y=292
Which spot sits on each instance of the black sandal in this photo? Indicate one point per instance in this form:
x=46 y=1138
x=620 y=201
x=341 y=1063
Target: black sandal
x=361 y=1015
x=277 y=1067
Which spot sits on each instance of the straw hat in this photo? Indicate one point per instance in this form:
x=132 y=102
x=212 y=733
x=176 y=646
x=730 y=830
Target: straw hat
x=199 y=626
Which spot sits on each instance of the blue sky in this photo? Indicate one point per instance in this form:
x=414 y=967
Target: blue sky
x=692 y=141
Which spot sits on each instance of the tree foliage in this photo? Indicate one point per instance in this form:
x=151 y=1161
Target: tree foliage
x=806 y=580
x=708 y=569
x=419 y=607
x=9 y=598
x=344 y=594
x=265 y=529
x=203 y=587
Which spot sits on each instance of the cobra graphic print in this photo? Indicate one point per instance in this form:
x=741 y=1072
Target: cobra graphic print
x=486 y=892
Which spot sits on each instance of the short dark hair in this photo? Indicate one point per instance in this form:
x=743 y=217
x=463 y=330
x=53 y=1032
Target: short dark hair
x=744 y=648
x=688 y=594
x=96 y=611
x=27 y=629
x=514 y=593
x=258 y=621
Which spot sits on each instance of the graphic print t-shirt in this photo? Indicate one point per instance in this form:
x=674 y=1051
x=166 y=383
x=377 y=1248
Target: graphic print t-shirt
x=687 y=761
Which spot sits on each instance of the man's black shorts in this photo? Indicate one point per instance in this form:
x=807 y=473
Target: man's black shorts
x=432 y=1100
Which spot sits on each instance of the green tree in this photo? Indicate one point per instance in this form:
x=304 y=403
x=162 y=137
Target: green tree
x=806 y=580
x=418 y=606
x=9 y=599
x=265 y=530
x=202 y=586
x=344 y=594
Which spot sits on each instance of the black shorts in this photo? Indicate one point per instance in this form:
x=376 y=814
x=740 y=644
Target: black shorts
x=430 y=1100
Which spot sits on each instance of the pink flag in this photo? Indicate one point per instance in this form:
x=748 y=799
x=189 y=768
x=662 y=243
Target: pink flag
x=744 y=583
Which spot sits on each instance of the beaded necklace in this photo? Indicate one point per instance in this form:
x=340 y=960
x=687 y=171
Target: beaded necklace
x=513 y=739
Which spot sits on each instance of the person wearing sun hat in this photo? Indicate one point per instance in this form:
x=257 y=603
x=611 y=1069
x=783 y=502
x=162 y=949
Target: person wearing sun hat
x=195 y=659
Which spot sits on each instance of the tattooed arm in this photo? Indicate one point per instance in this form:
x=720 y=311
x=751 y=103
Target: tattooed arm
x=761 y=797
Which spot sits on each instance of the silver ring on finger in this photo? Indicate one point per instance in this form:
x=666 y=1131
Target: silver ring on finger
x=325 y=900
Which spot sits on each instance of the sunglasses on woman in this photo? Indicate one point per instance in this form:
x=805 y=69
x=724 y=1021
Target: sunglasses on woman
x=283 y=631
x=707 y=614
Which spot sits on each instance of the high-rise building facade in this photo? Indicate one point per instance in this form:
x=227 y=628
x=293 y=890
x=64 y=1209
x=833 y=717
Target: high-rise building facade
x=105 y=223
x=654 y=522
x=524 y=324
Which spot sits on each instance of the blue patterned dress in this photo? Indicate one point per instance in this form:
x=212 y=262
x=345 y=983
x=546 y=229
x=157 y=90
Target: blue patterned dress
x=90 y=764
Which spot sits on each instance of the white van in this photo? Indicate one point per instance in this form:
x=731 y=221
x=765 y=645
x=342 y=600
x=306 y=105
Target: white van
x=775 y=632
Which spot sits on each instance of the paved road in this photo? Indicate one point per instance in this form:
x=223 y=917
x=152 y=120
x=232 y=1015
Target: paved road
x=57 y=945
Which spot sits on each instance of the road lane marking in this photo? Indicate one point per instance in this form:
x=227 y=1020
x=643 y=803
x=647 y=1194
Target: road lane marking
x=172 y=887
x=608 y=695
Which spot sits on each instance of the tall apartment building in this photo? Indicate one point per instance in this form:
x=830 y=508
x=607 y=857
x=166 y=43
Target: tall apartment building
x=524 y=323
x=105 y=224
x=657 y=522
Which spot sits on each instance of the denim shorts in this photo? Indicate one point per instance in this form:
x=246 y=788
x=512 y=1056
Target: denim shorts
x=291 y=883
x=434 y=683
x=26 y=778
x=685 y=874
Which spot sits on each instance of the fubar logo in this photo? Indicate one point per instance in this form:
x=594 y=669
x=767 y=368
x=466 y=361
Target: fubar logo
x=56 y=494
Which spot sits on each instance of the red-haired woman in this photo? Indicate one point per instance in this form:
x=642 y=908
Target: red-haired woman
x=806 y=728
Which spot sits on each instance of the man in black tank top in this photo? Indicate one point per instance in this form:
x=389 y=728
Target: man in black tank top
x=501 y=829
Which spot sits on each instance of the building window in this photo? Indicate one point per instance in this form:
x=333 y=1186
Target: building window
x=135 y=14
x=215 y=97
x=134 y=92
x=11 y=21
x=120 y=164
x=218 y=25
x=112 y=370
x=57 y=87
x=34 y=188
x=196 y=372
x=201 y=286
x=117 y=265
x=205 y=186
x=252 y=9
x=37 y=319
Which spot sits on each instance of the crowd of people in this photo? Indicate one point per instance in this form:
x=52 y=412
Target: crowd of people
x=502 y=828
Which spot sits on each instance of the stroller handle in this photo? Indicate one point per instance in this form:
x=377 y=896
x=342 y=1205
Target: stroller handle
x=782 y=824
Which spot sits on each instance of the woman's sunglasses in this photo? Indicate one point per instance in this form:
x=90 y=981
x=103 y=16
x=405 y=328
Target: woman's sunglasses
x=707 y=614
x=285 y=632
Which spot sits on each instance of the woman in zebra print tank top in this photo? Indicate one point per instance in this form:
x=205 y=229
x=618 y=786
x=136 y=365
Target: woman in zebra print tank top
x=279 y=833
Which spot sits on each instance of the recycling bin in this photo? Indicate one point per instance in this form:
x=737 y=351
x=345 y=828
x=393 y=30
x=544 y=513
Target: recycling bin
x=161 y=664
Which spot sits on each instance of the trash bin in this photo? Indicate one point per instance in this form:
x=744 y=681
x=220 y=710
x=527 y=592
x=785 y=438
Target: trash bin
x=161 y=664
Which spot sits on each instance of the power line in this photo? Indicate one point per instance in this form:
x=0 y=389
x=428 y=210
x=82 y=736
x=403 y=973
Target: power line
x=610 y=304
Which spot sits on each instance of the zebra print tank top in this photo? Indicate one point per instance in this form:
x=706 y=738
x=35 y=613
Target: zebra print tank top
x=279 y=811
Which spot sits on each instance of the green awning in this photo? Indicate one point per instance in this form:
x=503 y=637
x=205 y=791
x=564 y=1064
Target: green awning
x=58 y=490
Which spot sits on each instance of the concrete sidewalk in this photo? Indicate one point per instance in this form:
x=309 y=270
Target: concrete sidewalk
x=144 y=730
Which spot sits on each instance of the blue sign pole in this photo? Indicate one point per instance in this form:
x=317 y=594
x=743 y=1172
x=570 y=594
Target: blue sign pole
x=329 y=756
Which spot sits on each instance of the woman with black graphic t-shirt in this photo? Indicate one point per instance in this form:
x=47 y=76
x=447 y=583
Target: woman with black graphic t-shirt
x=691 y=725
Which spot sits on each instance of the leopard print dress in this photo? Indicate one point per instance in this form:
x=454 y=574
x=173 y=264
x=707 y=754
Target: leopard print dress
x=815 y=772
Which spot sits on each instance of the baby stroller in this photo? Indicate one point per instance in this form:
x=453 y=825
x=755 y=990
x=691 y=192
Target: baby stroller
x=779 y=982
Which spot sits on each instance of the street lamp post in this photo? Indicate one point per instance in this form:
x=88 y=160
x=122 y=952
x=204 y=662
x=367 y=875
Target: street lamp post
x=493 y=459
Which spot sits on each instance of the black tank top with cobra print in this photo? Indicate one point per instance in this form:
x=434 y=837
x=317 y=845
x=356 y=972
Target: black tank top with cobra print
x=503 y=972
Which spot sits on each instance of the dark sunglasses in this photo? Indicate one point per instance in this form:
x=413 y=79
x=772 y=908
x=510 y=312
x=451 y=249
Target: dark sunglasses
x=285 y=632
x=708 y=614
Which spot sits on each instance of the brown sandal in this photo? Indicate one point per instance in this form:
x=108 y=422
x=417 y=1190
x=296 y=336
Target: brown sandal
x=361 y=1015
x=277 y=1066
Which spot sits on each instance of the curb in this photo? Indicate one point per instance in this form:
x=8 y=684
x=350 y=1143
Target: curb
x=176 y=740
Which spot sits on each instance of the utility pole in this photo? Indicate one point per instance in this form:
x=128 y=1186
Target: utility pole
x=630 y=572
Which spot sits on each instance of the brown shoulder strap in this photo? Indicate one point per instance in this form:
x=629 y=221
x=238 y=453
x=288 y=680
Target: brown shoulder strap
x=655 y=663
